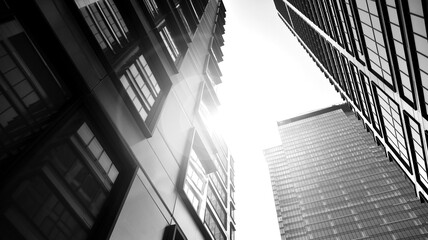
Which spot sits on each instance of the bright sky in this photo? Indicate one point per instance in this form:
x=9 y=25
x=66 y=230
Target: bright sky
x=267 y=77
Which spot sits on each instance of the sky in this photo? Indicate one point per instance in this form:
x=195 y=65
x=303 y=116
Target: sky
x=267 y=77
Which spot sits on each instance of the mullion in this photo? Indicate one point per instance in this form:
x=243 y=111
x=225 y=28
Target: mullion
x=100 y=30
x=107 y=23
x=138 y=93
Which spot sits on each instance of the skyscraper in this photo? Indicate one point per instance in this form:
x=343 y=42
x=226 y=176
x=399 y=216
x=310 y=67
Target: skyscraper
x=332 y=181
x=375 y=54
x=105 y=111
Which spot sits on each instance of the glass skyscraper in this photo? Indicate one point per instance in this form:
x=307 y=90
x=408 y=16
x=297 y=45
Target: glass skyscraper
x=331 y=180
x=375 y=54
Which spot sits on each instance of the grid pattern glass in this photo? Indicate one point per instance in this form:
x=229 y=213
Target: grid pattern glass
x=335 y=21
x=217 y=206
x=374 y=38
x=344 y=26
x=94 y=147
x=330 y=22
x=352 y=82
x=191 y=195
x=360 y=55
x=141 y=86
x=394 y=23
x=213 y=226
x=106 y=23
x=415 y=138
x=361 y=94
x=390 y=113
x=370 y=100
x=219 y=187
x=325 y=24
x=347 y=78
x=421 y=43
x=330 y=180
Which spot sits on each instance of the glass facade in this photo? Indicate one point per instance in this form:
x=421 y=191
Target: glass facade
x=330 y=180
x=381 y=59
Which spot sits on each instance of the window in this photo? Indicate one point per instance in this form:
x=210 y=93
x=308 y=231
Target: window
x=344 y=26
x=232 y=232
x=418 y=41
x=406 y=86
x=219 y=187
x=198 y=7
x=417 y=150
x=63 y=198
x=393 y=127
x=374 y=40
x=152 y=6
x=213 y=226
x=373 y=111
x=217 y=206
x=354 y=32
x=29 y=92
x=106 y=23
x=141 y=87
x=194 y=176
x=169 y=43
x=360 y=91
x=186 y=15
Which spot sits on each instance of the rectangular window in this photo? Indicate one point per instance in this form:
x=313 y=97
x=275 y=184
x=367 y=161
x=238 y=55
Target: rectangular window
x=141 y=86
x=344 y=26
x=213 y=226
x=29 y=92
x=395 y=22
x=373 y=111
x=217 y=206
x=354 y=32
x=417 y=150
x=375 y=41
x=169 y=43
x=65 y=196
x=184 y=19
x=419 y=42
x=334 y=16
x=106 y=23
x=361 y=93
x=352 y=82
x=219 y=187
x=152 y=6
x=393 y=127
x=232 y=232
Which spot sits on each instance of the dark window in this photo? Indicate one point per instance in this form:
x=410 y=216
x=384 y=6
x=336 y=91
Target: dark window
x=213 y=225
x=29 y=91
x=106 y=23
x=63 y=198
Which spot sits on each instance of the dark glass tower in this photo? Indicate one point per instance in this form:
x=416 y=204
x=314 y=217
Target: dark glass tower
x=105 y=108
x=375 y=54
x=332 y=181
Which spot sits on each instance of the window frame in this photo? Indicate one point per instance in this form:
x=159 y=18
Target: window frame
x=407 y=119
x=147 y=125
x=381 y=119
x=36 y=165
